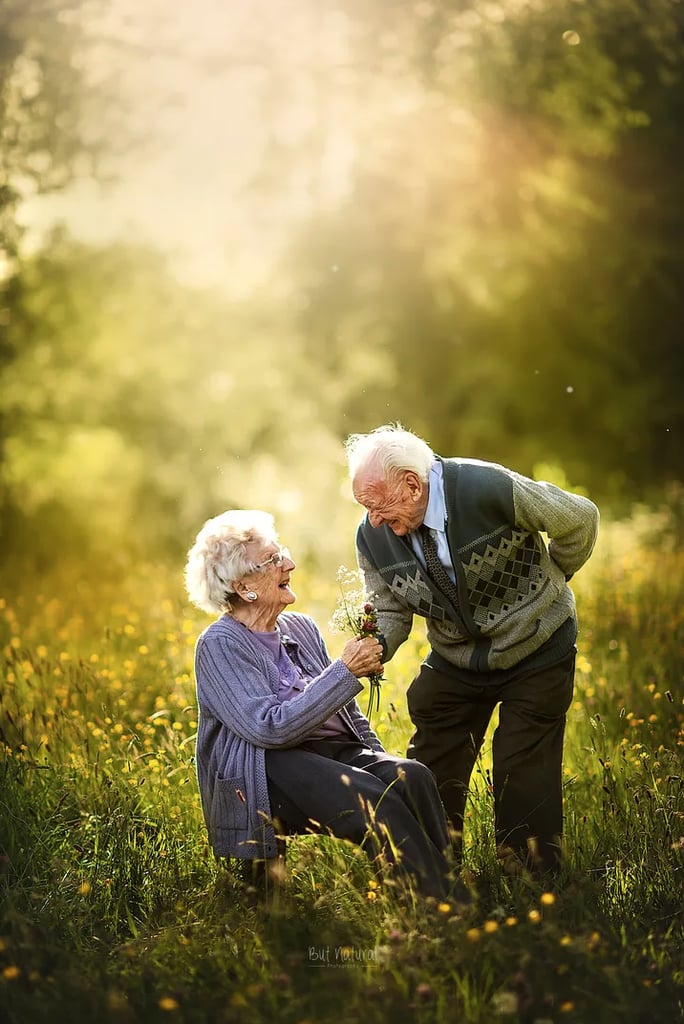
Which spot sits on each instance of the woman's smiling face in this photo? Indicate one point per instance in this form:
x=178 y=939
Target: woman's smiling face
x=271 y=582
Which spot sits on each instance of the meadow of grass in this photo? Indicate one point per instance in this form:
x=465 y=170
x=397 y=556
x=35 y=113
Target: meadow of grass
x=113 y=908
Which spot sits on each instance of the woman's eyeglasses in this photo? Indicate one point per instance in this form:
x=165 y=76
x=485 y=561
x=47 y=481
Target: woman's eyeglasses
x=277 y=559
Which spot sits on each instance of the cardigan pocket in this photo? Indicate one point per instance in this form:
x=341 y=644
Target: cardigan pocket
x=229 y=804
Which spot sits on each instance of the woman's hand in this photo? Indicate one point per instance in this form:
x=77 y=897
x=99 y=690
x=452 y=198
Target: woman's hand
x=363 y=657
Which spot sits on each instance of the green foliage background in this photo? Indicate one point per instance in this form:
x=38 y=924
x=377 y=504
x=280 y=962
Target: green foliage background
x=498 y=267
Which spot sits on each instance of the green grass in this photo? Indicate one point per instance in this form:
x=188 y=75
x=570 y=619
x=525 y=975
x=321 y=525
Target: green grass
x=113 y=908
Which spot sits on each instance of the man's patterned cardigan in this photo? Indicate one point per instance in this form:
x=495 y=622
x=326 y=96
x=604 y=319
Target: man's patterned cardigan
x=511 y=582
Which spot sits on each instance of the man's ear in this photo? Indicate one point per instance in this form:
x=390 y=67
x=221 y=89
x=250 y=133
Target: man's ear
x=415 y=485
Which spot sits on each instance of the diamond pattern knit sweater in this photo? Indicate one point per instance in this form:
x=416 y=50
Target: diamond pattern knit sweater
x=511 y=581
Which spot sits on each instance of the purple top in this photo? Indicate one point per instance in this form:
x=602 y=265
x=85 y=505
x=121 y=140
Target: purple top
x=293 y=680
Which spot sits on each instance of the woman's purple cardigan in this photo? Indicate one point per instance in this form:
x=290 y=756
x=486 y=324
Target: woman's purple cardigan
x=240 y=717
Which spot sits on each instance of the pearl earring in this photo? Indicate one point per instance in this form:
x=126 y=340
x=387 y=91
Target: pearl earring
x=251 y=595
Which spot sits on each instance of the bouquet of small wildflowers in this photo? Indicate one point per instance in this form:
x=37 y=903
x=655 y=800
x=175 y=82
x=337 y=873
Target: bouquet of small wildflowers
x=357 y=615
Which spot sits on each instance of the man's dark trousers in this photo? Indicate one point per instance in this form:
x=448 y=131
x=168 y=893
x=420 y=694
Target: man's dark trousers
x=451 y=719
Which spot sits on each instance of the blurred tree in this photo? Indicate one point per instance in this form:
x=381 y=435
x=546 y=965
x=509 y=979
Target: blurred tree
x=57 y=118
x=137 y=408
x=112 y=397
x=46 y=93
x=506 y=262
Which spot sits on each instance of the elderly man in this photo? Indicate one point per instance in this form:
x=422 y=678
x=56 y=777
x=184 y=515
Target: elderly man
x=460 y=542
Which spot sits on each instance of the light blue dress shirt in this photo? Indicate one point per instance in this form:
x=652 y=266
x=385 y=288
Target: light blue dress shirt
x=435 y=520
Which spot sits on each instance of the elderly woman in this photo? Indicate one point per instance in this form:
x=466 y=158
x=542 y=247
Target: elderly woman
x=280 y=734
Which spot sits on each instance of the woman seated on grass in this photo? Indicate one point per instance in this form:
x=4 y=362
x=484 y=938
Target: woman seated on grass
x=280 y=734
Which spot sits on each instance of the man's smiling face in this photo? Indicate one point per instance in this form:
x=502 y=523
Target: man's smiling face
x=399 y=500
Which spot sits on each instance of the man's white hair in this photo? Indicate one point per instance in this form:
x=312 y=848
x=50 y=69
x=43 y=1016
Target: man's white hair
x=392 y=448
x=218 y=558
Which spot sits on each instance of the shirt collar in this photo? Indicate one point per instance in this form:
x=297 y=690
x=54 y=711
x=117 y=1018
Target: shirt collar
x=435 y=513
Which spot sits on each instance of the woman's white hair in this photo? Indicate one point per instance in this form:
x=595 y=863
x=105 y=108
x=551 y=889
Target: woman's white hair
x=218 y=558
x=392 y=448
